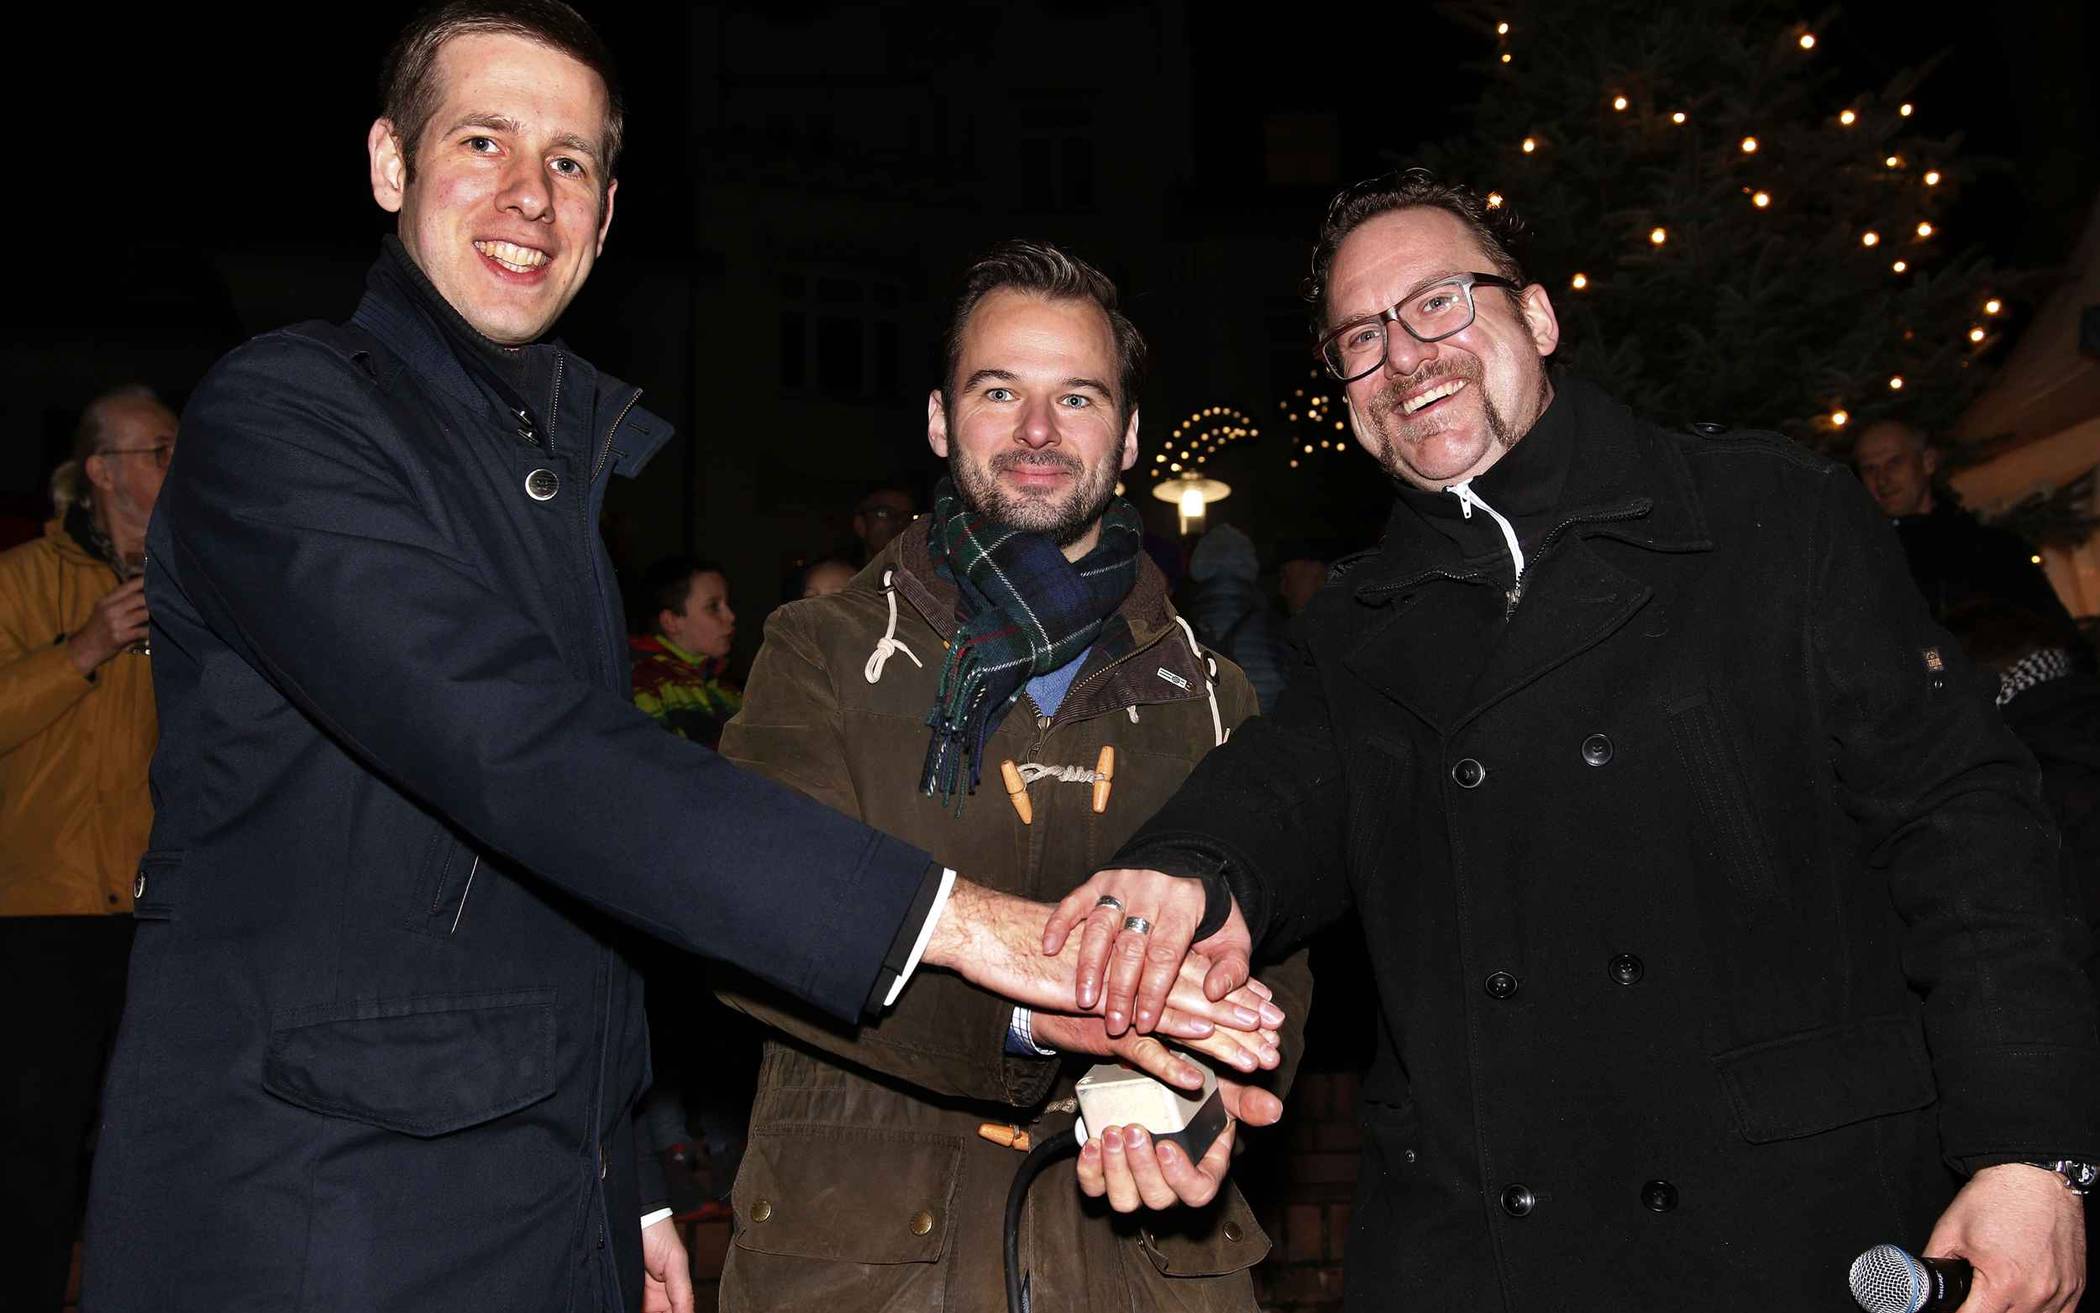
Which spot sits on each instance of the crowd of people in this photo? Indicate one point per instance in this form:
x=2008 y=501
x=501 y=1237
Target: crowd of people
x=1718 y=924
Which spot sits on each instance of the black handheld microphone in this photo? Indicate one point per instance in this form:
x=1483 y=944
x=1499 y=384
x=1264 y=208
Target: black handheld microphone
x=1887 y=1279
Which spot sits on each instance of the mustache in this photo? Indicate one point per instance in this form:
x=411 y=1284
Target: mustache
x=1007 y=460
x=1387 y=399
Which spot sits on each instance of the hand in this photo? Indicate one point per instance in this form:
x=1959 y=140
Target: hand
x=1132 y=1169
x=1142 y=967
x=118 y=621
x=667 y=1279
x=2023 y=1233
x=1242 y=1050
x=992 y=940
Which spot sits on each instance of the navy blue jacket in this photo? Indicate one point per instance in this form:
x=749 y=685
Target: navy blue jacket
x=382 y=1044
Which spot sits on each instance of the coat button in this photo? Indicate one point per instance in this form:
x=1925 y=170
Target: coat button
x=1468 y=773
x=1596 y=749
x=1626 y=969
x=1658 y=1196
x=1500 y=985
x=541 y=485
x=1232 y=1231
x=921 y=1222
x=1518 y=1201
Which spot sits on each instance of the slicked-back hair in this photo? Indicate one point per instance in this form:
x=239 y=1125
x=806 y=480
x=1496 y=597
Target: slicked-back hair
x=1497 y=229
x=69 y=482
x=409 y=93
x=1044 y=270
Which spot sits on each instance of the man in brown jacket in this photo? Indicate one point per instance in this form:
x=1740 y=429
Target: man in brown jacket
x=866 y=1184
x=77 y=729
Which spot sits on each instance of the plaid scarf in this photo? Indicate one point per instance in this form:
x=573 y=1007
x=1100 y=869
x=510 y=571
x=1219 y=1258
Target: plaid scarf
x=2037 y=667
x=1026 y=611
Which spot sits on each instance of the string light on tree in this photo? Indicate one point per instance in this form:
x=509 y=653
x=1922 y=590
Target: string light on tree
x=1749 y=145
x=1808 y=41
x=1494 y=200
x=1870 y=238
x=1895 y=382
x=1619 y=103
x=1579 y=281
x=1901 y=266
x=1905 y=109
x=1993 y=306
x=1893 y=162
x=1924 y=230
x=1658 y=235
x=1501 y=29
x=1678 y=117
x=1530 y=144
x=1932 y=177
x=1840 y=418
x=1505 y=56
x=1848 y=118
x=1762 y=199
x=1976 y=333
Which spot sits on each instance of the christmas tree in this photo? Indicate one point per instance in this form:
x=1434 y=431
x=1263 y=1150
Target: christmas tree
x=1728 y=232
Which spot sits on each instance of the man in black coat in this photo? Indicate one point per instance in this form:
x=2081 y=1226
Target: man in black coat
x=383 y=1044
x=1714 y=915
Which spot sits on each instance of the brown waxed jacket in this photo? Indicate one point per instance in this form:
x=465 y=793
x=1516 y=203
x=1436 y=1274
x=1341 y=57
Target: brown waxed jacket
x=866 y=1185
x=74 y=751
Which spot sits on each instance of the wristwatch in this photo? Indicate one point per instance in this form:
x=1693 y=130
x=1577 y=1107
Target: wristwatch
x=2080 y=1177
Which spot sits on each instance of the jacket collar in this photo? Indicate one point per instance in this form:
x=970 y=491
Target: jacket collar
x=1138 y=625
x=1625 y=480
x=409 y=318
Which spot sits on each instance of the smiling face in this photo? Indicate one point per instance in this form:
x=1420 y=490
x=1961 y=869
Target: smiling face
x=1035 y=435
x=1438 y=414
x=508 y=207
x=1897 y=464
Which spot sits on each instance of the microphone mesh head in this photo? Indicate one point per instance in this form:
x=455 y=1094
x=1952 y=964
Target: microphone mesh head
x=1885 y=1279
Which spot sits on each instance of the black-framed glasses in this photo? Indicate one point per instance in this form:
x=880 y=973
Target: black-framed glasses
x=161 y=452
x=1428 y=314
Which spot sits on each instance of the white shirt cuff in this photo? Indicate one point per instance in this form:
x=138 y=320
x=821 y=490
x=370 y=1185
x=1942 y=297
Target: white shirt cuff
x=918 y=949
x=651 y=1219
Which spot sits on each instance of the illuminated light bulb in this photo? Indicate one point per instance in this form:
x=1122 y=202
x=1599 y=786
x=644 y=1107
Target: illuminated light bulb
x=1894 y=161
x=1501 y=29
x=1976 y=335
x=1530 y=144
x=1932 y=177
x=1579 y=281
x=1895 y=382
x=1762 y=199
x=1840 y=418
x=1870 y=238
x=1678 y=117
x=1308 y=449
x=1175 y=467
x=1993 y=306
x=1160 y=459
x=1618 y=102
x=1808 y=41
x=2036 y=558
x=1905 y=108
x=1749 y=145
x=1505 y=57
x=1294 y=464
x=1299 y=392
x=1192 y=503
x=1901 y=266
x=1924 y=230
x=1658 y=235
x=1339 y=426
x=1494 y=200
x=1848 y=118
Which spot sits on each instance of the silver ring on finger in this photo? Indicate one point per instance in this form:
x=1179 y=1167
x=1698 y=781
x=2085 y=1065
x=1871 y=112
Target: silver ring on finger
x=1137 y=925
x=1109 y=900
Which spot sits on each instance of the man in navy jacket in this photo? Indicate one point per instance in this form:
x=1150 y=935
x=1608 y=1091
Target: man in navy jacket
x=382 y=1046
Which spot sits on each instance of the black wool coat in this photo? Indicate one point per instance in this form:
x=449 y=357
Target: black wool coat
x=382 y=1044
x=1713 y=913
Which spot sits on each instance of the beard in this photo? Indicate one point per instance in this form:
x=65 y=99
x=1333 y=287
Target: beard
x=1063 y=520
x=1391 y=428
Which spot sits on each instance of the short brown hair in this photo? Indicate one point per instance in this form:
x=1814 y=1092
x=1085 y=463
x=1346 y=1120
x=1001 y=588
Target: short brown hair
x=1047 y=271
x=1496 y=227
x=408 y=90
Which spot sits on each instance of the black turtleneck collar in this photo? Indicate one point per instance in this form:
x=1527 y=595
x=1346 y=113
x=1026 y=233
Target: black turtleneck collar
x=1525 y=485
x=526 y=373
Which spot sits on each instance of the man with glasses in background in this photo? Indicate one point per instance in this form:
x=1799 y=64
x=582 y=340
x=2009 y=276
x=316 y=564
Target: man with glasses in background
x=77 y=728
x=1713 y=913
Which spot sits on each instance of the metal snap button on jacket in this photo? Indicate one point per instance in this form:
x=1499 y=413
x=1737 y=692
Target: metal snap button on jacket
x=1468 y=773
x=1518 y=1201
x=1626 y=969
x=1500 y=985
x=921 y=1222
x=1232 y=1231
x=541 y=485
x=1596 y=749
x=761 y=1210
x=1659 y=1196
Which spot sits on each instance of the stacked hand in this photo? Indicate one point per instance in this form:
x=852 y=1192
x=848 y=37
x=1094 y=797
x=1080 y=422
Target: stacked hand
x=1139 y=925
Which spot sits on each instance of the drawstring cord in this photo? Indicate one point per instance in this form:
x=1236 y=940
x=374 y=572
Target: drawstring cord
x=889 y=642
x=1210 y=686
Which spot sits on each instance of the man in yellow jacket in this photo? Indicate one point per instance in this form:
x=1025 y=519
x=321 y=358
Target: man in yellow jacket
x=77 y=730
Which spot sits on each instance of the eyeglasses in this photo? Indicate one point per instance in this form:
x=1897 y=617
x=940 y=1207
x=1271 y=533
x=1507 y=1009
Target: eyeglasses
x=1429 y=314
x=160 y=452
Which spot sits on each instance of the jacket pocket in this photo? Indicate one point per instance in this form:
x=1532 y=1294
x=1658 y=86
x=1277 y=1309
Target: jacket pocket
x=1819 y=1080
x=422 y=1066
x=848 y=1194
x=1710 y=763
x=1206 y=1242
x=155 y=887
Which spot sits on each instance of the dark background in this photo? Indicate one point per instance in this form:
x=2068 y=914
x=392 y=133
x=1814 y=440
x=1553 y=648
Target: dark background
x=802 y=186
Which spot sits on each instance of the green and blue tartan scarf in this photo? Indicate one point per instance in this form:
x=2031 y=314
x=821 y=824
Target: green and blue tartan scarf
x=1026 y=611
